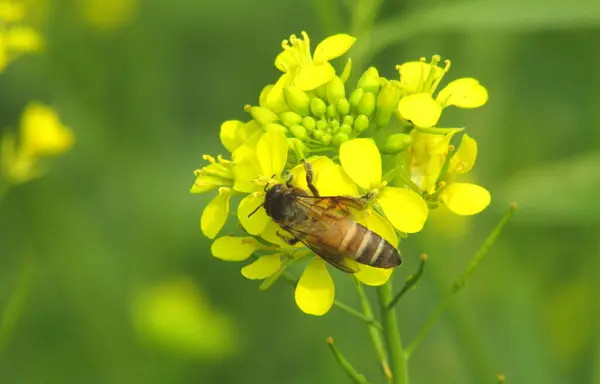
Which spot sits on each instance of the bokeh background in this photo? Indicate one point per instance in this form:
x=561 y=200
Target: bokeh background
x=107 y=244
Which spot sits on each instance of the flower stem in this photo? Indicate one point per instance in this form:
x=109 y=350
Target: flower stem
x=460 y=282
x=16 y=303
x=373 y=331
x=356 y=377
x=410 y=282
x=398 y=360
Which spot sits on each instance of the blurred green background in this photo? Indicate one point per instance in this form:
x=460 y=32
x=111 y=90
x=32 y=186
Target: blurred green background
x=110 y=238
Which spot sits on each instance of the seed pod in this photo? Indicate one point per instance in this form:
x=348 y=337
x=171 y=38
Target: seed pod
x=298 y=131
x=269 y=127
x=309 y=123
x=317 y=107
x=339 y=138
x=263 y=115
x=290 y=118
x=361 y=123
x=396 y=143
x=335 y=90
x=369 y=81
x=343 y=106
x=297 y=100
x=355 y=97
x=366 y=106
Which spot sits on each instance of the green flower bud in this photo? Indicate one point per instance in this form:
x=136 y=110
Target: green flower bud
x=309 y=123
x=262 y=99
x=366 y=106
x=322 y=124
x=343 y=106
x=297 y=100
x=355 y=97
x=331 y=111
x=346 y=128
x=326 y=139
x=339 y=138
x=317 y=107
x=290 y=118
x=321 y=92
x=396 y=143
x=387 y=102
x=369 y=81
x=298 y=131
x=335 y=90
x=348 y=119
x=297 y=146
x=317 y=134
x=334 y=124
x=347 y=70
x=262 y=115
x=275 y=127
x=361 y=123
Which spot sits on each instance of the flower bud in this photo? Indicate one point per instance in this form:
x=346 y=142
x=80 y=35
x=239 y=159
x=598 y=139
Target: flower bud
x=290 y=118
x=343 y=106
x=297 y=146
x=321 y=92
x=298 y=131
x=322 y=125
x=297 y=100
x=347 y=70
x=263 y=115
x=387 y=102
x=317 y=107
x=326 y=139
x=369 y=81
x=348 y=119
x=269 y=127
x=335 y=90
x=339 y=138
x=361 y=123
x=318 y=133
x=366 y=106
x=346 y=128
x=309 y=123
x=331 y=111
x=396 y=143
x=355 y=97
x=334 y=124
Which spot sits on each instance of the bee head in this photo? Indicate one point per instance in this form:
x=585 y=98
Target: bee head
x=276 y=202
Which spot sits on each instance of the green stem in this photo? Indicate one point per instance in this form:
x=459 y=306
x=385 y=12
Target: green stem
x=410 y=282
x=411 y=184
x=438 y=131
x=374 y=333
x=356 y=377
x=398 y=359
x=460 y=282
x=16 y=303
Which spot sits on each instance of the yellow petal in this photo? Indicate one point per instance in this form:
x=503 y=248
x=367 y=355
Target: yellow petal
x=464 y=158
x=262 y=268
x=246 y=166
x=42 y=132
x=256 y=223
x=286 y=62
x=215 y=213
x=315 y=290
x=463 y=93
x=420 y=109
x=332 y=47
x=230 y=136
x=272 y=150
x=361 y=160
x=23 y=39
x=329 y=178
x=373 y=276
x=205 y=183
x=380 y=225
x=270 y=235
x=275 y=99
x=318 y=163
x=414 y=73
x=313 y=76
x=230 y=248
x=405 y=209
x=465 y=198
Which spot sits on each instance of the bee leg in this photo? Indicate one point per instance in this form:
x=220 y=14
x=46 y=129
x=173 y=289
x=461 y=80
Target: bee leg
x=287 y=239
x=288 y=182
x=309 y=177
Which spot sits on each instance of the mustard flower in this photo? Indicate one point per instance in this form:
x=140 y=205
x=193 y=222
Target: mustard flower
x=15 y=37
x=419 y=80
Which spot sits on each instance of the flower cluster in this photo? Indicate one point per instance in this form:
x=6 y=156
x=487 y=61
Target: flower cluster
x=380 y=138
x=16 y=37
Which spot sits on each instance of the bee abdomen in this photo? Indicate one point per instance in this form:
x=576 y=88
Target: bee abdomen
x=367 y=247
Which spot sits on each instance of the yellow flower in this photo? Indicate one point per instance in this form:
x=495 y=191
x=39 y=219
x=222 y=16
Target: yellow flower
x=405 y=209
x=11 y=11
x=41 y=134
x=15 y=39
x=108 y=15
x=304 y=70
x=420 y=80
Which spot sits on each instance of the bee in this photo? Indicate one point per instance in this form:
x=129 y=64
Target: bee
x=326 y=225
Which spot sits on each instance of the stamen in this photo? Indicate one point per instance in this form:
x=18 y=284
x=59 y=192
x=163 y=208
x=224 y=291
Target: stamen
x=431 y=76
x=442 y=184
x=257 y=194
x=224 y=190
x=221 y=160
x=197 y=172
x=209 y=158
x=451 y=148
x=247 y=108
x=306 y=46
x=285 y=45
x=421 y=82
x=447 y=67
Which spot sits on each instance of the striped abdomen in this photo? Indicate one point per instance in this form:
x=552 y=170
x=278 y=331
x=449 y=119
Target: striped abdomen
x=366 y=246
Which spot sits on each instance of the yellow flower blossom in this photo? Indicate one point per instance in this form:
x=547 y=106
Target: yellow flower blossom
x=419 y=80
x=15 y=37
x=41 y=134
x=108 y=15
x=405 y=209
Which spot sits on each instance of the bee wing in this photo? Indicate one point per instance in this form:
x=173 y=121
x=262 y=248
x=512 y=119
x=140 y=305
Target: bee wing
x=341 y=203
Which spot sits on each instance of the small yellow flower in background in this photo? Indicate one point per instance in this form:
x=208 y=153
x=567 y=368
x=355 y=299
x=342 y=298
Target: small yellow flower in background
x=16 y=38
x=176 y=316
x=41 y=134
x=108 y=15
x=419 y=80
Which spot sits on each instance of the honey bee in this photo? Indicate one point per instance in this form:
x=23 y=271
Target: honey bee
x=326 y=225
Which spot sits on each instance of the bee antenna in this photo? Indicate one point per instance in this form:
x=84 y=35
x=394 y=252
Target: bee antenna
x=253 y=212
x=267 y=184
